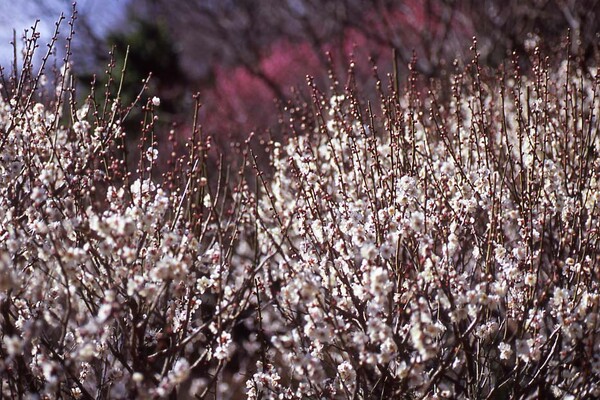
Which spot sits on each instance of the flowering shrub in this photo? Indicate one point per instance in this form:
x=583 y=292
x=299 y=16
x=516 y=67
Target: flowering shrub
x=439 y=248
x=442 y=247
x=111 y=286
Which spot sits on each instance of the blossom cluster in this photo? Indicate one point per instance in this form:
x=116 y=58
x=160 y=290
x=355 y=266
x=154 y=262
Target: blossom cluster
x=423 y=245
x=439 y=248
x=111 y=286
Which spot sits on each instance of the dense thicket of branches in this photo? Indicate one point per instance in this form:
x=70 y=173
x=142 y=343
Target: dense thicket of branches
x=433 y=235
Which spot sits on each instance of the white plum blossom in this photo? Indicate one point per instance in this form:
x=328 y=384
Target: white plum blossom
x=505 y=350
x=224 y=345
x=151 y=154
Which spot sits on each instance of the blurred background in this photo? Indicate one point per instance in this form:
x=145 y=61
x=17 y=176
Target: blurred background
x=249 y=58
